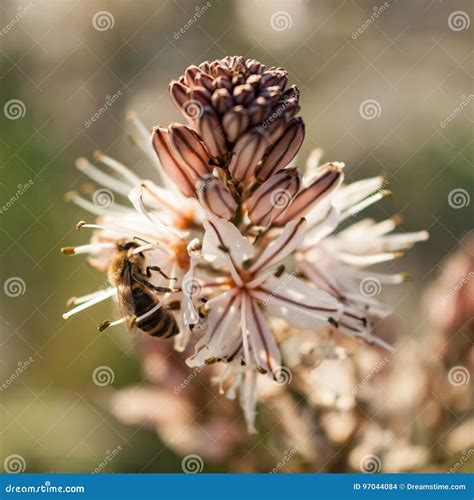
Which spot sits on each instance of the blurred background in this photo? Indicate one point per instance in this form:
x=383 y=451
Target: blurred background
x=385 y=88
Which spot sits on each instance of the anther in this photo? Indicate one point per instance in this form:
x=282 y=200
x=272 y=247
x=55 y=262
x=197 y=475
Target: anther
x=68 y=250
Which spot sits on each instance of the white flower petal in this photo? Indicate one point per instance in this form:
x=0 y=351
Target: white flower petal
x=292 y=236
x=350 y=324
x=368 y=227
x=402 y=241
x=220 y=234
x=136 y=197
x=319 y=276
x=367 y=260
x=370 y=306
x=324 y=226
x=297 y=303
x=354 y=192
x=265 y=350
x=223 y=327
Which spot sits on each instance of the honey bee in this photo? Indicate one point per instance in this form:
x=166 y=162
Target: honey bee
x=138 y=298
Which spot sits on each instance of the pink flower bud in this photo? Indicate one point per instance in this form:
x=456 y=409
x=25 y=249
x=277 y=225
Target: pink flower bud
x=273 y=197
x=215 y=197
x=329 y=177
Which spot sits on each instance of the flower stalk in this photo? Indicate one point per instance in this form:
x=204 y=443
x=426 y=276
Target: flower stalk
x=236 y=241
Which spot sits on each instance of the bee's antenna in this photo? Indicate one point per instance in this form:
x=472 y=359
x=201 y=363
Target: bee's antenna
x=151 y=245
x=142 y=239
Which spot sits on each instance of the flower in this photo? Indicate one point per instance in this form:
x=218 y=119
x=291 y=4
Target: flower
x=251 y=281
x=336 y=262
x=241 y=249
x=236 y=326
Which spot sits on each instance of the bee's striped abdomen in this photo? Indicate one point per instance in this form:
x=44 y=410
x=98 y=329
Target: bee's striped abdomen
x=160 y=323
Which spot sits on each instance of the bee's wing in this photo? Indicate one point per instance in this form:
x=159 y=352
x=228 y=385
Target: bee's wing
x=125 y=294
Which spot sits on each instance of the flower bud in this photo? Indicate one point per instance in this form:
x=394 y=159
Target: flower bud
x=188 y=150
x=235 y=122
x=172 y=167
x=329 y=177
x=248 y=151
x=284 y=150
x=211 y=134
x=215 y=197
x=273 y=197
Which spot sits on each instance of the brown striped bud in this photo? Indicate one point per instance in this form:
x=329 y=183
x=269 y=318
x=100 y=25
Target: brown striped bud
x=284 y=150
x=179 y=93
x=235 y=122
x=226 y=98
x=327 y=179
x=273 y=197
x=173 y=168
x=247 y=152
x=188 y=150
x=212 y=135
x=215 y=197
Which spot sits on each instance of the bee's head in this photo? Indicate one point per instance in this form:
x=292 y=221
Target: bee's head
x=127 y=245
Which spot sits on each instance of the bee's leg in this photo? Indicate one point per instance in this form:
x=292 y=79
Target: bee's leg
x=149 y=269
x=160 y=289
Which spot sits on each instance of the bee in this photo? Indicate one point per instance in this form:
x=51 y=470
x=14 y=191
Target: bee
x=138 y=298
